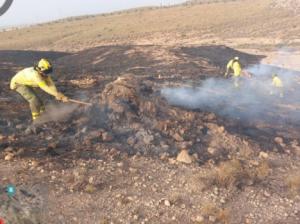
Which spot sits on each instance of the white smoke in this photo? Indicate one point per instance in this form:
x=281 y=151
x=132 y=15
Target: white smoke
x=56 y=112
x=252 y=100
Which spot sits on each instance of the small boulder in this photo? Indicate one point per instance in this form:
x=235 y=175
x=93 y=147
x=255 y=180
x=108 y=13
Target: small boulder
x=263 y=155
x=9 y=157
x=107 y=137
x=184 y=157
x=178 y=137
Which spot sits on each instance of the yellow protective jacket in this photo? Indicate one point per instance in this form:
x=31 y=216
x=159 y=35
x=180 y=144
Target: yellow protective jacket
x=30 y=77
x=235 y=66
x=277 y=82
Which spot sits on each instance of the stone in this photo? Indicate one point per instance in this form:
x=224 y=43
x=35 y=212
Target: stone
x=20 y=151
x=172 y=161
x=107 y=137
x=267 y=194
x=2 y=137
x=278 y=140
x=212 y=219
x=135 y=217
x=131 y=141
x=178 y=137
x=212 y=150
x=167 y=203
x=9 y=156
x=199 y=219
x=9 y=149
x=263 y=155
x=221 y=129
x=19 y=126
x=184 y=157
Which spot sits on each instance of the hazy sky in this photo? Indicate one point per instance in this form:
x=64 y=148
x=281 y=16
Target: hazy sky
x=24 y=12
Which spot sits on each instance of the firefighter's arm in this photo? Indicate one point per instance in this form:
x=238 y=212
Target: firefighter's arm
x=228 y=67
x=50 y=88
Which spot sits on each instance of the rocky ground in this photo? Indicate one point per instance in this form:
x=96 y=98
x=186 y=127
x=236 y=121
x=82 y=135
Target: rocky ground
x=134 y=158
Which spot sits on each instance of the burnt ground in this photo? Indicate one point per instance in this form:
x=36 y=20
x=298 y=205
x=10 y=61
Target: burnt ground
x=132 y=157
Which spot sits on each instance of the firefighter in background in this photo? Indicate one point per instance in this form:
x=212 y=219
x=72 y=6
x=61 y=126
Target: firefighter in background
x=277 y=86
x=27 y=80
x=234 y=66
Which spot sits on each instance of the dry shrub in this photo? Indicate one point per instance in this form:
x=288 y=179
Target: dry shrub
x=262 y=171
x=230 y=173
x=293 y=182
x=199 y=183
x=209 y=209
x=222 y=215
x=234 y=173
x=177 y=198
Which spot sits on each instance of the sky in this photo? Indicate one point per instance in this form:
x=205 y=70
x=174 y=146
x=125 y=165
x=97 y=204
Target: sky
x=26 y=12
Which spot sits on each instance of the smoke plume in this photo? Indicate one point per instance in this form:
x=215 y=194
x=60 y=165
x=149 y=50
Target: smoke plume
x=252 y=100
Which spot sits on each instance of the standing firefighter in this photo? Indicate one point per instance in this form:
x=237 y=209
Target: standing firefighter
x=277 y=86
x=26 y=81
x=234 y=66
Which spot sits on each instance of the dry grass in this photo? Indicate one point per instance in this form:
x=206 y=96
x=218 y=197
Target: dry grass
x=222 y=215
x=229 y=173
x=262 y=171
x=293 y=182
x=226 y=20
x=234 y=173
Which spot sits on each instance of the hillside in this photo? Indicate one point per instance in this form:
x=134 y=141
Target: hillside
x=228 y=23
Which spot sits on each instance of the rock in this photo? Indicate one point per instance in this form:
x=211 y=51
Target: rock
x=9 y=156
x=177 y=137
x=184 y=157
x=31 y=130
x=131 y=141
x=172 y=161
x=279 y=141
x=20 y=152
x=91 y=180
x=9 y=149
x=212 y=219
x=212 y=150
x=107 y=137
x=221 y=129
x=49 y=138
x=167 y=203
x=263 y=155
x=144 y=136
x=199 y=219
x=267 y=194
x=19 y=126
x=2 y=137
x=164 y=156
x=34 y=163
x=135 y=217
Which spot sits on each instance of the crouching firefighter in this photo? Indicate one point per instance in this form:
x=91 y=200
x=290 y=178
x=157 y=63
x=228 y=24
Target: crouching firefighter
x=29 y=79
x=234 y=66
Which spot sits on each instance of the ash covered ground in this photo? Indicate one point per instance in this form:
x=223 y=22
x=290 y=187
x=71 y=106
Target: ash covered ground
x=167 y=140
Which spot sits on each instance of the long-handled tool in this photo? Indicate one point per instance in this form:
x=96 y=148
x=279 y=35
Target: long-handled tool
x=80 y=102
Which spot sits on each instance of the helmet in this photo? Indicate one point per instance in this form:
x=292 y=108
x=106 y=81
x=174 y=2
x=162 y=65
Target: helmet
x=236 y=58
x=45 y=66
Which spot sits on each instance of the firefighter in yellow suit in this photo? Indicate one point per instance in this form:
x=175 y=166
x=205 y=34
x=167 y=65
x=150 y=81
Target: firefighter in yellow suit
x=277 y=86
x=234 y=66
x=27 y=80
